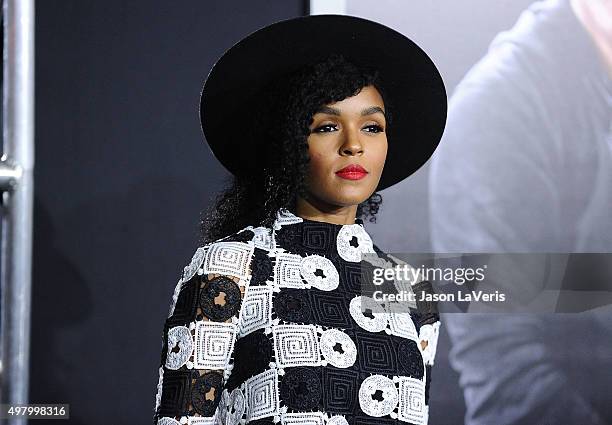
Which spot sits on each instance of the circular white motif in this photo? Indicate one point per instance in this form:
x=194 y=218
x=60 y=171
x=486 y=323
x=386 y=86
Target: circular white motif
x=168 y=421
x=378 y=395
x=235 y=402
x=352 y=241
x=320 y=272
x=345 y=357
x=337 y=420
x=180 y=335
x=196 y=262
x=376 y=323
x=221 y=412
x=237 y=405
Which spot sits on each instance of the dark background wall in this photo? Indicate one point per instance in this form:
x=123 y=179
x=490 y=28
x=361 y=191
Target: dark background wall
x=121 y=176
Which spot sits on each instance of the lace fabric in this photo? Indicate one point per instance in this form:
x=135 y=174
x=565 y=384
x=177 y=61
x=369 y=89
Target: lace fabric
x=268 y=326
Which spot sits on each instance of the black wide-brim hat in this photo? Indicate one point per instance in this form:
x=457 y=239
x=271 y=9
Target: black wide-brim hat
x=410 y=81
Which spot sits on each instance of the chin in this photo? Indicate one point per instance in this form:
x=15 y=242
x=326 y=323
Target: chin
x=346 y=194
x=347 y=201
x=355 y=195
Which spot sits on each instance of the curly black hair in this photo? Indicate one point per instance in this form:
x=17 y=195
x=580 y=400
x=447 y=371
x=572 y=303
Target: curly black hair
x=254 y=200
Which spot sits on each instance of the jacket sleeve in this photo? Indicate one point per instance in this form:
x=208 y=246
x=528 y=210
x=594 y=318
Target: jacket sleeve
x=428 y=321
x=200 y=332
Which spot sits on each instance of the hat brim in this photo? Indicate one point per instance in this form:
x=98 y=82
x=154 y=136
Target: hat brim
x=411 y=82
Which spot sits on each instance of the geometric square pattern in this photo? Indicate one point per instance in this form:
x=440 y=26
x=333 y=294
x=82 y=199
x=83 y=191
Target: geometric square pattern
x=351 y=275
x=376 y=355
x=262 y=238
x=230 y=258
x=262 y=395
x=184 y=303
x=340 y=395
x=330 y=309
x=367 y=420
x=176 y=392
x=306 y=418
x=296 y=345
x=214 y=344
x=401 y=323
x=256 y=309
x=317 y=236
x=285 y=217
x=287 y=271
x=411 y=400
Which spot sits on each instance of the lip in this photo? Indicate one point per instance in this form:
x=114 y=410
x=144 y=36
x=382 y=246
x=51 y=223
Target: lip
x=352 y=172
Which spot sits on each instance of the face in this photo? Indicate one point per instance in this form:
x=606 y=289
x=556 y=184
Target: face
x=348 y=133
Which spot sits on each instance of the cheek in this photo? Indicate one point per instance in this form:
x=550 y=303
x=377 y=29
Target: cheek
x=318 y=164
x=380 y=155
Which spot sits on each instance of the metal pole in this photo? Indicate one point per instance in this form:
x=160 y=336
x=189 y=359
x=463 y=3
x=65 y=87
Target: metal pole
x=16 y=176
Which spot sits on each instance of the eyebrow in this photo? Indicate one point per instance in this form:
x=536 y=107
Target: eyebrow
x=367 y=111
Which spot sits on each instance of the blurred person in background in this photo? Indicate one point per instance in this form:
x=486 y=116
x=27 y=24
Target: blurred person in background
x=525 y=165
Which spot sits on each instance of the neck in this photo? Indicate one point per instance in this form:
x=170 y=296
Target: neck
x=319 y=211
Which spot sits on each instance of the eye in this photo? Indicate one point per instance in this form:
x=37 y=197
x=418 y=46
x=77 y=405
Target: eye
x=324 y=128
x=374 y=128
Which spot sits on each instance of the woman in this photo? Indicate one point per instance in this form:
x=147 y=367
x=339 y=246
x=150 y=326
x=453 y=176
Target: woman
x=268 y=323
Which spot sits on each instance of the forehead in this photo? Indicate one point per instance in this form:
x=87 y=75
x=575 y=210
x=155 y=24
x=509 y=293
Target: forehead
x=367 y=96
x=368 y=102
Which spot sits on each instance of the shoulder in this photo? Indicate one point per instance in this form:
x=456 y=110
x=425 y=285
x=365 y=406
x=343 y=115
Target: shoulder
x=230 y=255
x=230 y=258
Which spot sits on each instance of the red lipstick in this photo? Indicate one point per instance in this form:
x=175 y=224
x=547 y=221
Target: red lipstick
x=352 y=172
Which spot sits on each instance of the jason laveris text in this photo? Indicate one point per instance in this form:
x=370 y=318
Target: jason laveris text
x=461 y=295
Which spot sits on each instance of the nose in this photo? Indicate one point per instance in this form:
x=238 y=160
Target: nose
x=351 y=144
